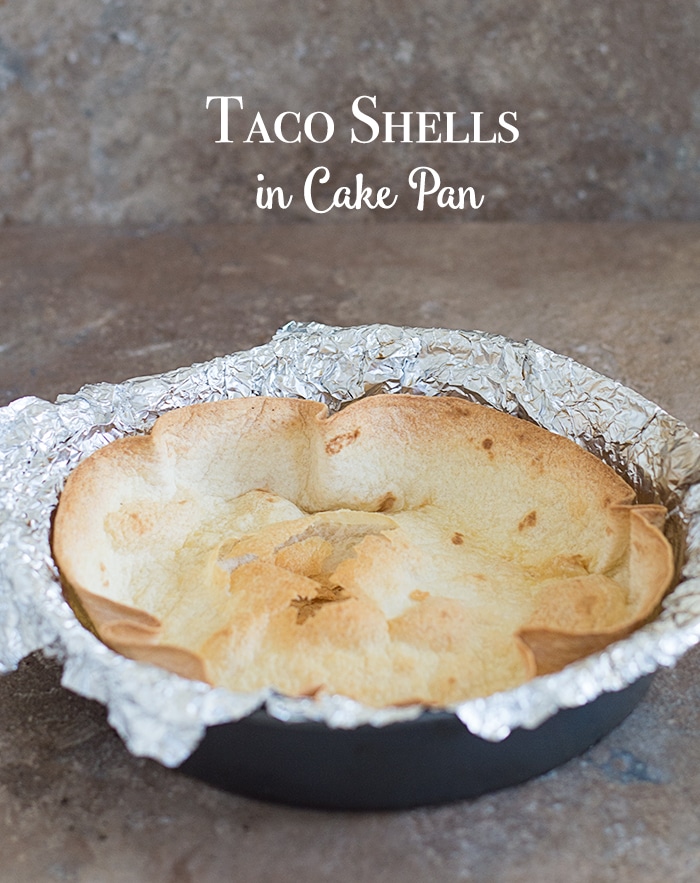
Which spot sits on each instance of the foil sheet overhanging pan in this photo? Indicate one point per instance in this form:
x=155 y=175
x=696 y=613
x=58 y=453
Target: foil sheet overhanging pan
x=163 y=716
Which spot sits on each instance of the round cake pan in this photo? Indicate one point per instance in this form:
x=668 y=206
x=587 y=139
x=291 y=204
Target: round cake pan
x=432 y=759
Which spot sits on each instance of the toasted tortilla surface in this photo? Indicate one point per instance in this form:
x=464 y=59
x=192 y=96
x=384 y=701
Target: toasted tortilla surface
x=405 y=549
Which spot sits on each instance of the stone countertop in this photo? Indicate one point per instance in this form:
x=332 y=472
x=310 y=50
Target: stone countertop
x=84 y=305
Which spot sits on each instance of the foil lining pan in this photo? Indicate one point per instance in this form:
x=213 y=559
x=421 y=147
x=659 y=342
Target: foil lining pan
x=164 y=716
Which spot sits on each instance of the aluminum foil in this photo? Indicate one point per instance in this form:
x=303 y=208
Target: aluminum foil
x=164 y=716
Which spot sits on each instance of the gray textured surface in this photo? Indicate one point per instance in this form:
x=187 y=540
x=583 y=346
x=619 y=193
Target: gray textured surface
x=85 y=305
x=102 y=106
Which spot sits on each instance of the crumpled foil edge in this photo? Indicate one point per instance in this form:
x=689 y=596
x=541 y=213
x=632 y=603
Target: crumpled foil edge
x=163 y=716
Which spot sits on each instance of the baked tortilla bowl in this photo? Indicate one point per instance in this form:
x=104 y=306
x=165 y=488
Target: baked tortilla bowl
x=404 y=552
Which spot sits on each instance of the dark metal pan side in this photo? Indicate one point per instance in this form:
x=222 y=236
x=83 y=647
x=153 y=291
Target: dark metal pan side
x=431 y=760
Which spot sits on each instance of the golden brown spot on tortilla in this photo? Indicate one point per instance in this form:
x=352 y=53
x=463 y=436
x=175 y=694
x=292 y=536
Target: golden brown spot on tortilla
x=570 y=563
x=487 y=444
x=457 y=538
x=137 y=523
x=307 y=607
x=530 y=520
x=337 y=443
x=311 y=692
x=386 y=503
x=419 y=595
